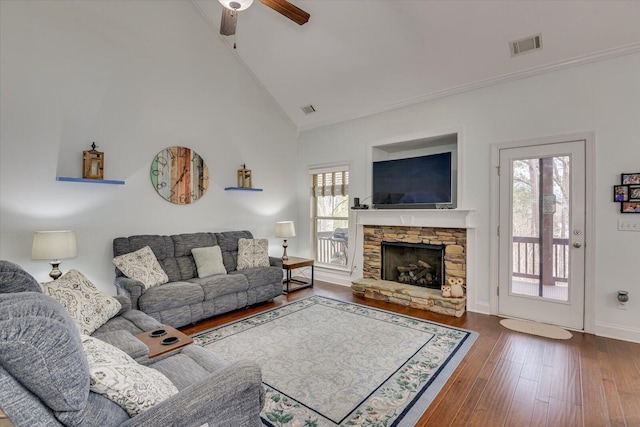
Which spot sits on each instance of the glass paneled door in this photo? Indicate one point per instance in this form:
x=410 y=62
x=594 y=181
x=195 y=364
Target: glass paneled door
x=542 y=216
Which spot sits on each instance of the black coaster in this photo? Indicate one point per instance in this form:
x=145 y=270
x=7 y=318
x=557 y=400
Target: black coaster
x=169 y=340
x=158 y=333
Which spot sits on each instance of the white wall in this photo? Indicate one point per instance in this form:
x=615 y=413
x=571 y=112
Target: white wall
x=601 y=97
x=135 y=77
x=138 y=76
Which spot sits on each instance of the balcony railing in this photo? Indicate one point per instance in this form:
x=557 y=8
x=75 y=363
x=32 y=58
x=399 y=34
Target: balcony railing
x=331 y=249
x=526 y=258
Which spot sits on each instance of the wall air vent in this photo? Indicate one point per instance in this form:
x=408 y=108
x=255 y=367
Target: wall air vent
x=527 y=44
x=308 y=109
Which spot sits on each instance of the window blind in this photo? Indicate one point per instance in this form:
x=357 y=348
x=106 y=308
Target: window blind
x=334 y=183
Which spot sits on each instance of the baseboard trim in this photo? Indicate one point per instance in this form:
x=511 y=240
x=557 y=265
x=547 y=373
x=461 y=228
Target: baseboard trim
x=337 y=277
x=481 y=307
x=618 y=332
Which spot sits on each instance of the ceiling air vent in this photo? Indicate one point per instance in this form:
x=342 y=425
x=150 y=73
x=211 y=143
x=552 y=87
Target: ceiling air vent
x=308 y=109
x=527 y=44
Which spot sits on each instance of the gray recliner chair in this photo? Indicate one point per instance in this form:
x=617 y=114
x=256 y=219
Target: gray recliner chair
x=118 y=331
x=44 y=375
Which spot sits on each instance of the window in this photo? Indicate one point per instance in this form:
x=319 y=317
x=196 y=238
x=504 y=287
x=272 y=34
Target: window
x=330 y=214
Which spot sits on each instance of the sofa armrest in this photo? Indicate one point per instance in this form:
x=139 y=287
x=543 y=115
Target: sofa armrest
x=275 y=262
x=127 y=342
x=234 y=396
x=125 y=302
x=130 y=288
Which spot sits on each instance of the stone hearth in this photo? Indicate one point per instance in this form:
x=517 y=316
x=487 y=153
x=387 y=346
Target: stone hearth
x=409 y=295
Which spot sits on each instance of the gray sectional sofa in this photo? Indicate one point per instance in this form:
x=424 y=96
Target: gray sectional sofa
x=45 y=379
x=187 y=298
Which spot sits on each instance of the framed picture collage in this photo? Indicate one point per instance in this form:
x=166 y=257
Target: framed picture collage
x=628 y=193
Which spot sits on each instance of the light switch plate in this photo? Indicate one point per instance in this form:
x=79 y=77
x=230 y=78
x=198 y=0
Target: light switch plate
x=629 y=225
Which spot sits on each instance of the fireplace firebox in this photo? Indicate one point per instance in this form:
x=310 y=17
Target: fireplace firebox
x=417 y=264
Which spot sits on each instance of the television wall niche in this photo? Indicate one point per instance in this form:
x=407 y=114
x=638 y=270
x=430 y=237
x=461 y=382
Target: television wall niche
x=416 y=174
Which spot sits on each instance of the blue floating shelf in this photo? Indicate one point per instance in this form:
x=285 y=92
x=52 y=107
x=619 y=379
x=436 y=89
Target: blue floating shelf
x=92 y=181
x=242 y=189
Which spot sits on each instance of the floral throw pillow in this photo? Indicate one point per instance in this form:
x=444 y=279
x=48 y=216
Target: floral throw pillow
x=115 y=375
x=142 y=265
x=89 y=307
x=253 y=253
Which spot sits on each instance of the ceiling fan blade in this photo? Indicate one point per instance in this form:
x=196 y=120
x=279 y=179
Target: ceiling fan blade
x=292 y=12
x=228 y=23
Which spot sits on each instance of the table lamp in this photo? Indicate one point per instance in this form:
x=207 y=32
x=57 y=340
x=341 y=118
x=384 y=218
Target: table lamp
x=54 y=245
x=284 y=230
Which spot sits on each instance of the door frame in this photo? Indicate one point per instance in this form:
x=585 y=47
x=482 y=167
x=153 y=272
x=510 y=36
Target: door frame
x=589 y=229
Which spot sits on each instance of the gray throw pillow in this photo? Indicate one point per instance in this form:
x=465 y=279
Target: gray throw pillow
x=208 y=261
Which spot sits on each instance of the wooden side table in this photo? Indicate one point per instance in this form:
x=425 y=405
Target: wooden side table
x=294 y=263
x=160 y=344
x=4 y=420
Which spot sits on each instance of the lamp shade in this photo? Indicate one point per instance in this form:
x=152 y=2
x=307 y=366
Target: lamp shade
x=236 y=4
x=285 y=229
x=54 y=245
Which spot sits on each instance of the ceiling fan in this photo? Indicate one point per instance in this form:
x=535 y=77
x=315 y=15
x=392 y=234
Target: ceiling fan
x=232 y=7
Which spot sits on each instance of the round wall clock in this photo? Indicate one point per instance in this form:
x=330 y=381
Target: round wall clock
x=179 y=175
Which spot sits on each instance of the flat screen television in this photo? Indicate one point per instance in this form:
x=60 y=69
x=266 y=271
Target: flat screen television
x=414 y=182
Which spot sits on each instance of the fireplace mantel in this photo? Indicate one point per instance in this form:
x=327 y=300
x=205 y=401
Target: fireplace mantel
x=446 y=218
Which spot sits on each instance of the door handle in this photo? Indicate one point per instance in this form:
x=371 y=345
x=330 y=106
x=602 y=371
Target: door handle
x=577 y=245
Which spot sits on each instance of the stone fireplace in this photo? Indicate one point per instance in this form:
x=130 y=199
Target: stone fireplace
x=452 y=242
x=445 y=231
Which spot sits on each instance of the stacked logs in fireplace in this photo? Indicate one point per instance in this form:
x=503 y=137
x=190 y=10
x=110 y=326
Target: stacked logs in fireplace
x=416 y=264
x=420 y=274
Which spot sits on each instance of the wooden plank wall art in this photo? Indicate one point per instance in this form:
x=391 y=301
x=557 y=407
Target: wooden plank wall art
x=179 y=175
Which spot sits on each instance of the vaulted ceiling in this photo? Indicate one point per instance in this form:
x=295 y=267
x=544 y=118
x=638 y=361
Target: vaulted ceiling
x=358 y=57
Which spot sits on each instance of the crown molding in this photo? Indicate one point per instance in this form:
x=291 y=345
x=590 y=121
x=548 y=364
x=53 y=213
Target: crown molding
x=561 y=65
x=604 y=55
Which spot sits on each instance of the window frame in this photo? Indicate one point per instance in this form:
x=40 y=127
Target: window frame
x=315 y=218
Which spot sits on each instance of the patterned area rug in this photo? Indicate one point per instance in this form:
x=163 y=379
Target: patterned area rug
x=330 y=363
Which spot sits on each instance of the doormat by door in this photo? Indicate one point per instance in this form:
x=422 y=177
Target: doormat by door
x=534 y=328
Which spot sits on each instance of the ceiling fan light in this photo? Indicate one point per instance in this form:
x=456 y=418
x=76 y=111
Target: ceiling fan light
x=237 y=5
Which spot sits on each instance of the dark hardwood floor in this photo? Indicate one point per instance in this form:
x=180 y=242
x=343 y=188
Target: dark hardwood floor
x=513 y=379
